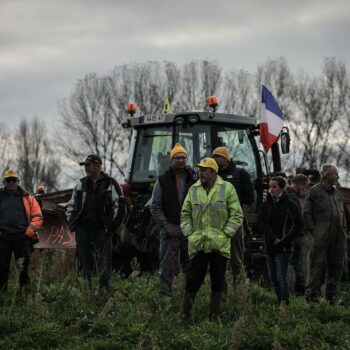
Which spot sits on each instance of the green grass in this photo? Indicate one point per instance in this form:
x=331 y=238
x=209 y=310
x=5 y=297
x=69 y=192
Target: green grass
x=62 y=313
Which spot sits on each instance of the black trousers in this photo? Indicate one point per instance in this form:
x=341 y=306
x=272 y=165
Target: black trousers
x=198 y=268
x=94 y=248
x=20 y=246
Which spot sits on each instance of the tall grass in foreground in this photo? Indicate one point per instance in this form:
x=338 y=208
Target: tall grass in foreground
x=59 y=311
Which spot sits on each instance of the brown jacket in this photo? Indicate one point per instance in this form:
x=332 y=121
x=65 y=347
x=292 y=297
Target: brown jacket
x=324 y=211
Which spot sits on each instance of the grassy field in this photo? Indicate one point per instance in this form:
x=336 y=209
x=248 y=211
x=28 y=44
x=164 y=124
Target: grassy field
x=58 y=311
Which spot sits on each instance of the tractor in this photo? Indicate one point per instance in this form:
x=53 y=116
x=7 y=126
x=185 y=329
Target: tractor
x=152 y=138
x=200 y=133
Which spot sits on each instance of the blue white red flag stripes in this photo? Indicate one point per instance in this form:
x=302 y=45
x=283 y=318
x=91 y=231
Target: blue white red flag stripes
x=271 y=119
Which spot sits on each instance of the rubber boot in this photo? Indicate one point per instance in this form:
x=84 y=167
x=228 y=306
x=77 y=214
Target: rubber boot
x=299 y=290
x=187 y=304
x=331 y=291
x=214 y=308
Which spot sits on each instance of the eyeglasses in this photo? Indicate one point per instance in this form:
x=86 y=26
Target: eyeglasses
x=180 y=158
x=11 y=179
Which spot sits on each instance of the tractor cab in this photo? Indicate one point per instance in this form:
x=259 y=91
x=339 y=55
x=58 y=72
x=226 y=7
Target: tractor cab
x=200 y=133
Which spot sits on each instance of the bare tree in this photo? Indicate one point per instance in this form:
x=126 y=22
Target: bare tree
x=200 y=79
x=92 y=123
x=92 y=115
x=321 y=108
x=277 y=77
x=238 y=96
x=211 y=81
x=340 y=97
x=314 y=107
x=6 y=148
x=275 y=74
x=148 y=87
x=173 y=76
x=36 y=162
x=189 y=98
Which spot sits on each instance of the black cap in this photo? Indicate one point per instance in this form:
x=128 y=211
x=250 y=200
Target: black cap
x=91 y=158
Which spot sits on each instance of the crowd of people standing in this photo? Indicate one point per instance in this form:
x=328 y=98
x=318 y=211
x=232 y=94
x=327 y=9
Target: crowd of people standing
x=202 y=220
x=302 y=219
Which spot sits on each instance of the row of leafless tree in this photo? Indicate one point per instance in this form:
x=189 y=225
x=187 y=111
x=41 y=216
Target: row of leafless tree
x=31 y=152
x=316 y=108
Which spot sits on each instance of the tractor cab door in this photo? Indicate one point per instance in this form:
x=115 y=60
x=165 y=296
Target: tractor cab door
x=197 y=139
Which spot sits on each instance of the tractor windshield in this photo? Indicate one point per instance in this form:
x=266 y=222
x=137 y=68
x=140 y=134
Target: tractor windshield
x=152 y=152
x=237 y=141
x=152 y=145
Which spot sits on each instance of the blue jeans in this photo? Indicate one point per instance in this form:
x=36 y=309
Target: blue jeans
x=173 y=251
x=277 y=265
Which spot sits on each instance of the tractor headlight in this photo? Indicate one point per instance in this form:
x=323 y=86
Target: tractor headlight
x=193 y=119
x=179 y=120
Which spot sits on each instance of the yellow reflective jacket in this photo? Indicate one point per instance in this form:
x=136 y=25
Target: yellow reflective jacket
x=210 y=220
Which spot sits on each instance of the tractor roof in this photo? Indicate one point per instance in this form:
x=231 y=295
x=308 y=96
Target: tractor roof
x=169 y=118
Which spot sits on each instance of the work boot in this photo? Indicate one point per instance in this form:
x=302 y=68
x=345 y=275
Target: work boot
x=24 y=279
x=331 y=291
x=299 y=290
x=214 y=308
x=224 y=291
x=187 y=304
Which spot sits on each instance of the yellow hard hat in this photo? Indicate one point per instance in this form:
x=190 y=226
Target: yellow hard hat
x=177 y=149
x=223 y=152
x=209 y=163
x=10 y=173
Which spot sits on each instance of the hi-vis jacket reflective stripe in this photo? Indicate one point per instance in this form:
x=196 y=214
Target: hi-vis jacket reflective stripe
x=210 y=220
x=34 y=216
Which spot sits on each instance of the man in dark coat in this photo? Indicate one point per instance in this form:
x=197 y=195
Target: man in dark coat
x=324 y=218
x=300 y=258
x=94 y=213
x=168 y=196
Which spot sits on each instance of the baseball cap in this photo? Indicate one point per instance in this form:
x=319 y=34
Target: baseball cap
x=10 y=173
x=91 y=158
x=209 y=163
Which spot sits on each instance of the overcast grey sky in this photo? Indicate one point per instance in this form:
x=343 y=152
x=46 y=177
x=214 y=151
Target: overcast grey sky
x=45 y=46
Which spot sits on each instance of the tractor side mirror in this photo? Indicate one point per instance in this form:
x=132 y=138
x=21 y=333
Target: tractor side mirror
x=285 y=140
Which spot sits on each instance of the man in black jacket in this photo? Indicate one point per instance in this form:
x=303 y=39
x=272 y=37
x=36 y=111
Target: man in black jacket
x=168 y=196
x=94 y=213
x=243 y=185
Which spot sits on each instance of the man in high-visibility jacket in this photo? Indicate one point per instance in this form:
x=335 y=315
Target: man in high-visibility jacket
x=210 y=216
x=20 y=220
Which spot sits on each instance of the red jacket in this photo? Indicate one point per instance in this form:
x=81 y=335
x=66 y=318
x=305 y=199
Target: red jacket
x=33 y=213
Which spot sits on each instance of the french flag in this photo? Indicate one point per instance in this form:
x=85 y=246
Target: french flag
x=271 y=119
